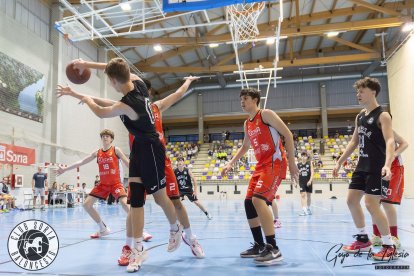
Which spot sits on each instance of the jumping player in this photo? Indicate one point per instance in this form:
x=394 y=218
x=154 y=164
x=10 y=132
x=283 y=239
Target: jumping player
x=171 y=186
x=147 y=158
x=374 y=136
x=107 y=158
x=305 y=183
x=262 y=130
x=186 y=180
x=393 y=195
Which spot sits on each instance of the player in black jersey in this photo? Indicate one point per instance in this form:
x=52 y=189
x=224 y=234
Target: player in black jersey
x=186 y=181
x=374 y=136
x=305 y=183
x=147 y=157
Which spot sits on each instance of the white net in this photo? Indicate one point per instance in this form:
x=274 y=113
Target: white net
x=243 y=19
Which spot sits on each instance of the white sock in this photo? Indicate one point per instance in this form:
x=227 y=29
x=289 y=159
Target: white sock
x=361 y=231
x=138 y=244
x=174 y=227
x=129 y=241
x=102 y=226
x=188 y=233
x=305 y=209
x=386 y=239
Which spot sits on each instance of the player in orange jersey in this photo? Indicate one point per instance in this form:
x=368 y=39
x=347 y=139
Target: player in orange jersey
x=262 y=131
x=108 y=158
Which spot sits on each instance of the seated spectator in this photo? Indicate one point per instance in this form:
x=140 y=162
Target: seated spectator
x=320 y=164
x=210 y=152
x=52 y=195
x=7 y=201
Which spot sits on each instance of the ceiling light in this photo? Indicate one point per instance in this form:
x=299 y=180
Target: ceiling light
x=270 y=40
x=409 y=26
x=157 y=48
x=213 y=45
x=332 y=34
x=125 y=6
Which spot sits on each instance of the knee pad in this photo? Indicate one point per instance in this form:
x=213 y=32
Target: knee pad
x=137 y=194
x=250 y=210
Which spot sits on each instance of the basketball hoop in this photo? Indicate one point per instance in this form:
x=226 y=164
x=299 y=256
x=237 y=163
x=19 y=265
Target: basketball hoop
x=243 y=21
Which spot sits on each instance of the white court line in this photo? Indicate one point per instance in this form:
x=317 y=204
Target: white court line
x=316 y=206
x=316 y=254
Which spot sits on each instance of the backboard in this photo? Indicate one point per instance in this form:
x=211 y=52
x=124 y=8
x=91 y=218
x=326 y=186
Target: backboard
x=195 y=5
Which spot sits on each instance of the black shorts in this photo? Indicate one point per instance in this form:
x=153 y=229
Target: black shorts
x=304 y=188
x=147 y=161
x=370 y=183
x=189 y=195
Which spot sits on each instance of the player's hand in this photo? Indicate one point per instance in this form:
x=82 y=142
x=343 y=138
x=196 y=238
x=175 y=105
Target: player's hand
x=309 y=183
x=79 y=64
x=64 y=91
x=226 y=169
x=191 y=78
x=294 y=171
x=336 y=170
x=195 y=193
x=386 y=173
x=60 y=171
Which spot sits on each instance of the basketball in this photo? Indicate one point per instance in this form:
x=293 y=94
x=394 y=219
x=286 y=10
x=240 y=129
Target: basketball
x=75 y=76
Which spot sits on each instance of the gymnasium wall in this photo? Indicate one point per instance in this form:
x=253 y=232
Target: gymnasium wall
x=23 y=38
x=400 y=70
x=297 y=96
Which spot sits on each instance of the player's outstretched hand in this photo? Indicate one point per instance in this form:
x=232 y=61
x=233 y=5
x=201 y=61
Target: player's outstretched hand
x=64 y=91
x=336 y=170
x=226 y=169
x=79 y=64
x=60 y=171
x=191 y=78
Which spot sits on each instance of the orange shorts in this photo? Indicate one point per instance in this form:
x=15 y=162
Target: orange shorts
x=266 y=180
x=396 y=187
x=171 y=184
x=102 y=191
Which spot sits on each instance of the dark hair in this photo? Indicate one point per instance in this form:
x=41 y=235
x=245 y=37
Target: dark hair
x=304 y=153
x=107 y=132
x=118 y=69
x=367 y=82
x=252 y=92
x=180 y=158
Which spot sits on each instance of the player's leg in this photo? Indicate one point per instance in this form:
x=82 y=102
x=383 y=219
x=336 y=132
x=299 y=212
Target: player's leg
x=308 y=199
x=356 y=191
x=275 y=210
x=303 y=202
x=253 y=221
x=136 y=216
x=263 y=195
x=88 y=206
x=35 y=191
x=391 y=213
x=197 y=202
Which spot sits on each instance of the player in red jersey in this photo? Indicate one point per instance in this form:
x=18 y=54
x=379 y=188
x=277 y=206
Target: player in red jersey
x=171 y=183
x=262 y=130
x=393 y=194
x=108 y=158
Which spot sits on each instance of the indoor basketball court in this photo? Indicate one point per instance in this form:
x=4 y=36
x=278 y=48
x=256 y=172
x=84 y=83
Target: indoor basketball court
x=172 y=137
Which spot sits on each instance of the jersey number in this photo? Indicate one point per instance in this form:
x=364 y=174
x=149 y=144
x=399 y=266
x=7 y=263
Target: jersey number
x=106 y=166
x=255 y=143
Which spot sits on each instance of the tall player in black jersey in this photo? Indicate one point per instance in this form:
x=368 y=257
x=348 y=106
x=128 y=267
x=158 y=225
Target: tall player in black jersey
x=186 y=181
x=147 y=157
x=305 y=183
x=374 y=136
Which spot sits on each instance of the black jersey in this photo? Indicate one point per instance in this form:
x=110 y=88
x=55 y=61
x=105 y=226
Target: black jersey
x=143 y=129
x=304 y=172
x=371 y=142
x=184 y=181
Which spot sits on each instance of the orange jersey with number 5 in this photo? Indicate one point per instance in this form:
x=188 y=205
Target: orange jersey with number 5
x=108 y=163
x=265 y=141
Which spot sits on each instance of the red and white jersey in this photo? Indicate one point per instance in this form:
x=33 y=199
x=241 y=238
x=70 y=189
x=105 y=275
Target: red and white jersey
x=265 y=140
x=158 y=128
x=108 y=163
x=397 y=161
